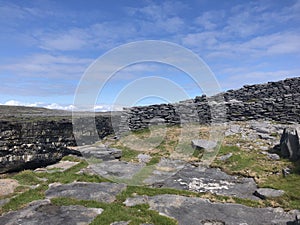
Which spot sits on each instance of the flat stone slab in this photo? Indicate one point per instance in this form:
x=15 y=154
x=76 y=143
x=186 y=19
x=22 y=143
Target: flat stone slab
x=199 y=179
x=7 y=186
x=197 y=211
x=116 y=169
x=101 y=192
x=100 y=152
x=205 y=144
x=269 y=192
x=45 y=213
x=62 y=165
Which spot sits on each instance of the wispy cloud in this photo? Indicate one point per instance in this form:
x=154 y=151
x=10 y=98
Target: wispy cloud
x=46 y=46
x=42 y=74
x=250 y=28
x=48 y=65
x=235 y=78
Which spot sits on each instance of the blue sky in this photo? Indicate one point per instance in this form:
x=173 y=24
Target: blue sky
x=45 y=46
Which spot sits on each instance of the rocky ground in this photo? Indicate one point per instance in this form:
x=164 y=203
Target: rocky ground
x=156 y=177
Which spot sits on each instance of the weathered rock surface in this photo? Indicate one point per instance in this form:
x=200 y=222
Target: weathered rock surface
x=163 y=170
x=31 y=156
x=289 y=144
x=43 y=212
x=233 y=129
x=116 y=169
x=61 y=166
x=197 y=211
x=211 y=180
x=100 y=152
x=101 y=192
x=20 y=125
x=4 y=201
x=33 y=137
x=7 y=186
x=144 y=158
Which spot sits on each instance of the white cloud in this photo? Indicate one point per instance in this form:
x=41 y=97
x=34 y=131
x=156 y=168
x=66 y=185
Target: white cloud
x=97 y=108
x=253 y=29
x=17 y=103
x=271 y=44
x=105 y=108
x=57 y=106
x=94 y=37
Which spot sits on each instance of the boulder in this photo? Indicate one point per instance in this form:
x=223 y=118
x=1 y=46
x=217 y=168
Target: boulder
x=116 y=170
x=289 y=144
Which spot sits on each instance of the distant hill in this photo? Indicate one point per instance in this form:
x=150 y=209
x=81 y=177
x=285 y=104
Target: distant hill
x=24 y=112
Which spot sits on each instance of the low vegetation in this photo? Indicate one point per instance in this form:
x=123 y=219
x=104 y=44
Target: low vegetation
x=243 y=162
x=267 y=173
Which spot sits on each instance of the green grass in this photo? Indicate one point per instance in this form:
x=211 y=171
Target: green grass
x=22 y=199
x=24 y=195
x=289 y=184
x=93 y=160
x=142 y=190
x=244 y=163
x=141 y=132
x=71 y=175
x=127 y=153
x=153 y=161
x=27 y=177
x=247 y=163
x=71 y=158
x=266 y=172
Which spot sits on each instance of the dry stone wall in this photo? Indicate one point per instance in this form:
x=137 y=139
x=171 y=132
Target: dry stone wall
x=278 y=101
